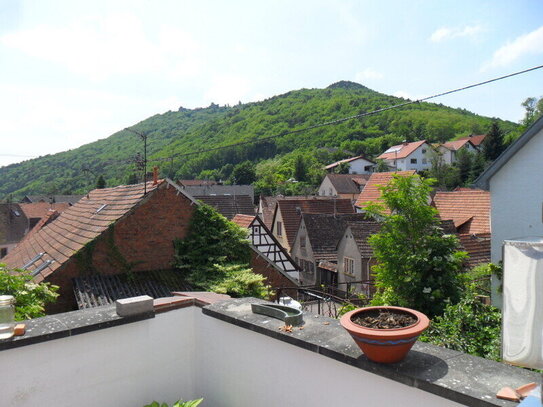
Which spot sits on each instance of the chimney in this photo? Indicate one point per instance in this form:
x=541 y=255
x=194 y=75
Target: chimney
x=155 y=175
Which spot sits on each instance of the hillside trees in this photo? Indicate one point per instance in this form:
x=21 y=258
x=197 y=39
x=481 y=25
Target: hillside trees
x=493 y=145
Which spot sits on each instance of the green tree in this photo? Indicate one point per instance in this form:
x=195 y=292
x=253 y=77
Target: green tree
x=464 y=163
x=101 y=182
x=300 y=169
x=343 y=168
x=243 y=173
x=381 y=166
x=493 y=144
x=477 y=166
x=418 y=264
x=30 y=298
x=534 y=110
x=446 y=176
x=131 y=180
x=215 y=255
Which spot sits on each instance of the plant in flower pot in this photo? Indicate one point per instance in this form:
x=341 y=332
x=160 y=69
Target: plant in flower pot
x=385 y=334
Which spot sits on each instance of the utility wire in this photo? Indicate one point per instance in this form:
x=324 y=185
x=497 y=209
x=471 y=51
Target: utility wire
x=344 y=119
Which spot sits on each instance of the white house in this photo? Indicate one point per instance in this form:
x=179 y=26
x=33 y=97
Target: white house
x=451 y=148
x=408 y=156
x=357 y=165
x=515 y=182
x=343 y=185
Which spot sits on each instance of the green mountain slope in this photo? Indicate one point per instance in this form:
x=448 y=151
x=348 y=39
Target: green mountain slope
x=185 y=131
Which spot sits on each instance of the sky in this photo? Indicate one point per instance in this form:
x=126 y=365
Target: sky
x=72 y=72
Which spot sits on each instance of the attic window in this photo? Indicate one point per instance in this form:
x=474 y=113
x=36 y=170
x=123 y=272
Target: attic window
x=100 y=208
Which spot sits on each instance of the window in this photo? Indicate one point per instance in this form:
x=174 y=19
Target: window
x=279 y=228
x=348 y=265
x=423 y=151
x=413 y=161
x=3 y=252
x=302 y=241
x=424 y=161
x=330 y=192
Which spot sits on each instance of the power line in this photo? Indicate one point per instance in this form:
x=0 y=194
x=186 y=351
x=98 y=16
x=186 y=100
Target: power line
x=344 y=119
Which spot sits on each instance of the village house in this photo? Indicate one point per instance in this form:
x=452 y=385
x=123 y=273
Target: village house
x=286 y=272
x=357 y=165
x=228 y=205
x=469 y=210
x=288 y=215
x=475 y=139
x=13 y=227
x=69 y=199
x=450 y=149
x=267 y=204
x=355 y=256
x=343 y=185
x=36 y=211
x=514 y=183
x=371 y=192
x=408 y=156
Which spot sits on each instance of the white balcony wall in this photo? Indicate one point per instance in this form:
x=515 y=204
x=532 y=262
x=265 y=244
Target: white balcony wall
x=123 y=366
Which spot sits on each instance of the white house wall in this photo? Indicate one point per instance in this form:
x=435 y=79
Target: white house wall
x=404 y=164
x=517 y=198
x=357 y=166
x=326 y=188
x=299 y=254
x=347 y=248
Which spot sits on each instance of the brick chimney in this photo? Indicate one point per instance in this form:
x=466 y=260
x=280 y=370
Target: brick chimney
x=155 y=175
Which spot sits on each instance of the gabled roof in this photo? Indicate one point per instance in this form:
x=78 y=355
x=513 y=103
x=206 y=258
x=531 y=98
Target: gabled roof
x=70 y=199
x=361 y=231
x=347 y=160
x=457 y=144
x=348 y=183
x=483 y=180
x=268 y=204
x=371 y=192
x=292 y=210
x=469 y=209
x=41 y=209
x=401 y=150
x=50 y=247
x=477 y=246
x=476 y=139
x=195 y=182
x=229 y=205
x=324 y=232
x=13 y=223
x=243 y=221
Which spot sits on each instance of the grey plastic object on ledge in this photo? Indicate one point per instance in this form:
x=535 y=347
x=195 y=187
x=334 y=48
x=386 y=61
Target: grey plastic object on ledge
x=291 y=316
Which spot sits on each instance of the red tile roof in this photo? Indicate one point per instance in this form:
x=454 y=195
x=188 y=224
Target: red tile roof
x=401 y=150
x=347 y=160
x=476 y=140
x=76 y=226
x=292 y=209
x=456 y=144
x=268 y=204
x=243 y=221
x=477 y=246
x=371 y=192
x=468 y=208
x=40 y=209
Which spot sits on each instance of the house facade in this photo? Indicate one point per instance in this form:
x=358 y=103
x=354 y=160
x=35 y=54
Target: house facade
x=13 y=227
x=408 y=156
x=357 y=165
x=516 y=190
x=343 y=185
x=450 y=149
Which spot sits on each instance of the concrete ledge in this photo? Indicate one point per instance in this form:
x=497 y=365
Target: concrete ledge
x=456 y=376
x=127 y=307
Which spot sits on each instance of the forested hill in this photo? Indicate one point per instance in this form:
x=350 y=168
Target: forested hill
x=188 y=130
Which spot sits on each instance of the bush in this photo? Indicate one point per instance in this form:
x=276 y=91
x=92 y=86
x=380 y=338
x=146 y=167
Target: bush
x=30 y=297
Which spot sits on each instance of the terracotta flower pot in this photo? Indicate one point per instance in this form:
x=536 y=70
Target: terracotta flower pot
x=385 y=345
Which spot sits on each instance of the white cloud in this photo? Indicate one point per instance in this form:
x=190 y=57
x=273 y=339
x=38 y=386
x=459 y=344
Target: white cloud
x=116 y=45
x=531 y=43
x=447 y=33
x=227 y=89
x=368 y=74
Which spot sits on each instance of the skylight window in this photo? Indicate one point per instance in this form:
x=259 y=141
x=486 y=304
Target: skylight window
x=41 y=267
x=394 y=149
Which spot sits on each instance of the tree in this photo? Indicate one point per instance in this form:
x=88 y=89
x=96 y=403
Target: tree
x=464 y=163
x=381 y=166
x=243 y=173
x=132 y=179
x=478 y=165
x=300 y=169
x=418 y=264
x=493 y=144
x=342 y=168
x=215 y=256
x=534 y=110
x=30 y=298
x=101 y=183
x=446 y=176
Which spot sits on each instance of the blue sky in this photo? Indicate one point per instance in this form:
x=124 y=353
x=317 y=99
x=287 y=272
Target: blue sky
x=72 y=72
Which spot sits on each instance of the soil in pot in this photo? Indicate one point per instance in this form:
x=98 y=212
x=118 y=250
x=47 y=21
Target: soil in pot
x=384 y=319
